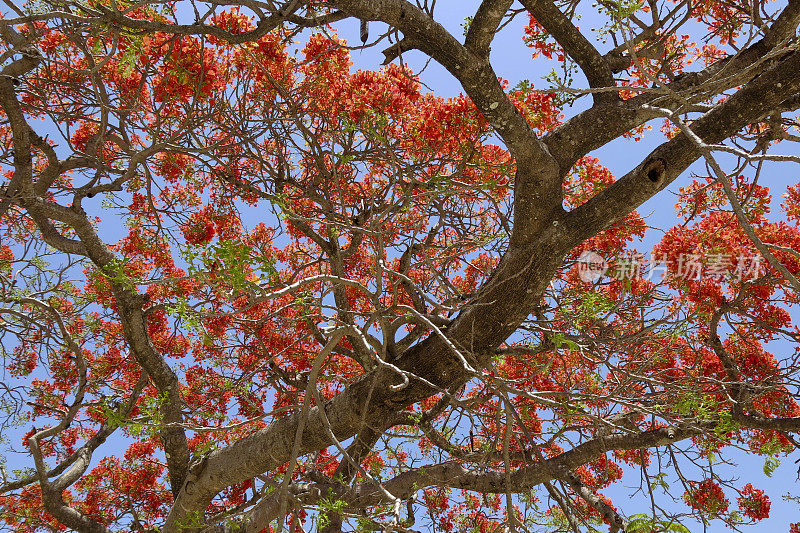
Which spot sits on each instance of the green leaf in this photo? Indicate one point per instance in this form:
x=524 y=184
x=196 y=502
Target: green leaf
x=677 y=528
x=770 y=465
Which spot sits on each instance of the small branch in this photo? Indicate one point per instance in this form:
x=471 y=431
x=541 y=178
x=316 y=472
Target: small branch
x=741 y=217
x=594 y=66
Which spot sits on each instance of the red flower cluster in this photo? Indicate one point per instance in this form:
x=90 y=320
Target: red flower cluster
x=707 y=496
x=754 y=503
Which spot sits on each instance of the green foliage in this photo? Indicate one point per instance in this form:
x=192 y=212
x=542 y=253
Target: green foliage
x=466 y=24
x=150 y=414
x=559 y=340
x=770 y=465
x=127 y=62
x=707 y=408
x=230 y=261
x=659 y=480
x=37 y=7
x=185 y=313
x=775 y=446
x=771 y=449
x=115 y=271
x=114 y=418
x=679 y=331
x=523 y=86
x=192 y=520
x=642 y=523
x=560 y=82
x=622 y=9
x=587 y=308
x=329 y=504
x=372 y=125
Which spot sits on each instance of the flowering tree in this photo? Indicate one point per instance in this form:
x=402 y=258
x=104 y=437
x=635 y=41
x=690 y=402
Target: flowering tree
x=246 y=288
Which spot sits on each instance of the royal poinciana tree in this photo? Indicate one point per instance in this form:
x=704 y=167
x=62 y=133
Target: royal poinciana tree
x=247 y=288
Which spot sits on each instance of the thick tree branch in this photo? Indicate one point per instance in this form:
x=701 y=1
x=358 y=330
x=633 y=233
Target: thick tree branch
x=541 y=236
x=134 y=325
x=513 y=290
x=668 y=161
x=22 y=180
x=599 y=125
x=537 y=185
x=484 y=26
x=455 y=475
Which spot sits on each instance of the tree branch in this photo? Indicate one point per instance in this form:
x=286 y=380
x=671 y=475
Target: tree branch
x=599 y=125
x=594 y=66
x=668 y=161
x=484 y=26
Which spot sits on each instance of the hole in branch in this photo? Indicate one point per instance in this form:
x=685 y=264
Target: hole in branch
x=655 y=169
